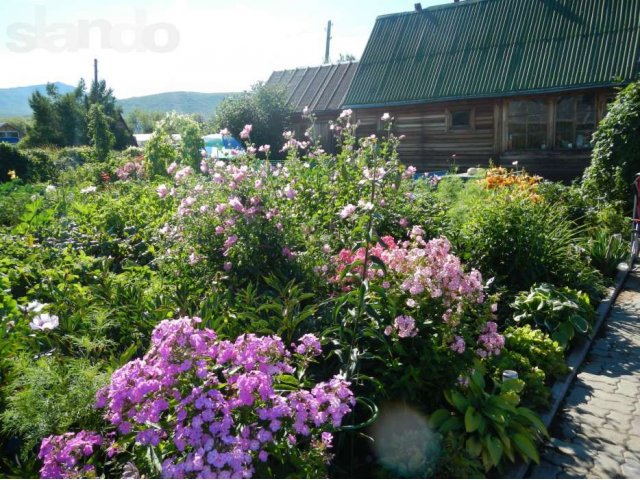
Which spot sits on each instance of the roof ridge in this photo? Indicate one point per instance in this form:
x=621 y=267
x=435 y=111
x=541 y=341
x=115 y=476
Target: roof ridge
x=443 y=6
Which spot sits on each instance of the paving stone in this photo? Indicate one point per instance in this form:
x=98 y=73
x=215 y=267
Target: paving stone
x=598 y=429
x=633 y=443
x=620 y=421
x=579 y=417
x=605 y=435
x=591 y=409
x=608 y=395
x=631 y=469
x=576 y=449
x=572 y=473
x=590 y=378
x=635 y=426
x=628 y=389
x=578 y=395
x=608 y=405
x=608 y=464
x=545 y=470
x=593 y=368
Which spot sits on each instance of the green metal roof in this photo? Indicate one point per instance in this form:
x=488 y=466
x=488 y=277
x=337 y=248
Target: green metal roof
x=489 y=48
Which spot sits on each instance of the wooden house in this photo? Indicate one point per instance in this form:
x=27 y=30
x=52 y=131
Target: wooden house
x=322 y=90
x=9 y=133
x=506 y=80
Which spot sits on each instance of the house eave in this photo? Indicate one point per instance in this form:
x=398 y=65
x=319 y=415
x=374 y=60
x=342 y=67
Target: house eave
x=488 y=96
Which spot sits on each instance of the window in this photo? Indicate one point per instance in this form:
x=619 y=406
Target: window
x=527 y=124
x=575 y=121
x=461 y=119
x=12 y=134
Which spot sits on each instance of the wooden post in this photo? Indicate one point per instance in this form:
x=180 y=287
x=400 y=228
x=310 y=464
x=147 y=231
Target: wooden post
x=326 y=50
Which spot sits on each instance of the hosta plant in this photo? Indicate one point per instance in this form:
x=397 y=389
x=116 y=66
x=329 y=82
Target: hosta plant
x=494 y=427
x=562 y=312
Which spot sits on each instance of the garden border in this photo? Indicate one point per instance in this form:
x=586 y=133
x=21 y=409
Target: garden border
x=574 y=361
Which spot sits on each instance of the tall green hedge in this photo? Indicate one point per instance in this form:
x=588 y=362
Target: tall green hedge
x=32 y=165
x=616 y=153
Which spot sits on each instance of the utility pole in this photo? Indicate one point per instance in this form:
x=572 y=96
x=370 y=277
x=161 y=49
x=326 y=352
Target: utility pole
x=326 y=51
x=95 y=71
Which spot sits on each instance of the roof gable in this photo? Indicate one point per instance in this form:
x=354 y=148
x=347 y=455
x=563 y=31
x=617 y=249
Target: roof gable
x=319 y=88
x=480 y=48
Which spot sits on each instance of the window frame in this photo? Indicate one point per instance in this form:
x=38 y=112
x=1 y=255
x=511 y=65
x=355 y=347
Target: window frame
x=574 y=121
x=451 y=111
x=546 y=115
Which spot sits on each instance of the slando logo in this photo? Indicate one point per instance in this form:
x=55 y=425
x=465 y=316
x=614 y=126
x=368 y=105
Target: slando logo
x=138 y=36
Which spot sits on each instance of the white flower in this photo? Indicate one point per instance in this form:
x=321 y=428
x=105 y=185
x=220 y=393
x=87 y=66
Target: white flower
x=50 y=189
x=44 y=321
x=89 y=189
x=346 y=113
x=347 y=211
x=35 y=306
x=385 y=117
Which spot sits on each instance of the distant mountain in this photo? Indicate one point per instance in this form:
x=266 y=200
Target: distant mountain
x=14 y=102
x=182 y=102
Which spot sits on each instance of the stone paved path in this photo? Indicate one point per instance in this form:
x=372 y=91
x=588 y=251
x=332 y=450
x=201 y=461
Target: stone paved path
x=596 y=434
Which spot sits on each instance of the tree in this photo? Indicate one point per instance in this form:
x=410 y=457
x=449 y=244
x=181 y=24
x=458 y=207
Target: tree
x=46 y=121
x=99 y=93
x=141 y=121
x=99 y=131
x=161 y=149
x=265 y=107
x=61 y=120
x=616 y=152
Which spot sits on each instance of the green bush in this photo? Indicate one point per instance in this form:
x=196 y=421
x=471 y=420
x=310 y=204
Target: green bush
x=30 y=165
x=49 y=396
x=521 y=242
x=541 y=350
x=536 y=393
x=616 y=152
x=562 y=312
x=491 y=422
x=606 y=251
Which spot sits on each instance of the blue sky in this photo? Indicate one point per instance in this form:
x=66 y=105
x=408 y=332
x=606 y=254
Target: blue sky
x=147 y=46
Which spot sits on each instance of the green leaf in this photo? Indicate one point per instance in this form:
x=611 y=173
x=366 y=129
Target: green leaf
x=439 y=417
x=580 y=323
x=534 y=419
x=512 y=385
x=378 y=263
x=473 y=445
x=451 y=424
x=526 y=447
x=472 y=419
x=494 y=446
x=456 y=399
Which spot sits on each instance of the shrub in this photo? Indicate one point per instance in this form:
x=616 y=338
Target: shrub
x=49 y=396
x=606 y=251
x=562 y=312
x=521 y=242
x=541 y=350
x=493 y=426
x=265 y=107
x=536 y=393
x=616 y=152
x=202 y=406
x=30 y=165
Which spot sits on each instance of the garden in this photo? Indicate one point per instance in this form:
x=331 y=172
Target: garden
x=163 y=314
